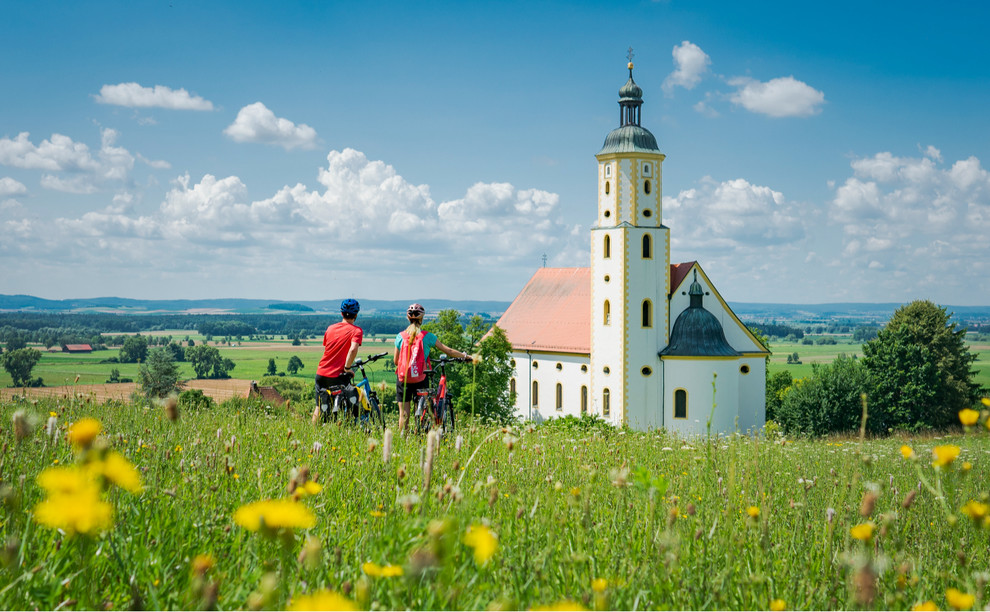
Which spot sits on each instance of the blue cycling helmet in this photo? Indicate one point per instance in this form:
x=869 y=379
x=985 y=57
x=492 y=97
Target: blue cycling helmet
x=350 y=307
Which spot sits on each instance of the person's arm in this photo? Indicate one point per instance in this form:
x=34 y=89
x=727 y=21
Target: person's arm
x=351 y=355
x=450 y=352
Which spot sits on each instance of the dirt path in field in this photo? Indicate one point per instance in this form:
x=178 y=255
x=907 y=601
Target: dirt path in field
x=219 y=390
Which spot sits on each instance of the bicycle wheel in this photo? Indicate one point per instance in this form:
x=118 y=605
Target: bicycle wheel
x=447 y=414
x=423 y=415
x=323 y=402
x=377 y=418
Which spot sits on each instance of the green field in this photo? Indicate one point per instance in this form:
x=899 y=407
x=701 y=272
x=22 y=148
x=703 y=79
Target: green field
x=251 y=359
x=57 y=368
x=562 y=514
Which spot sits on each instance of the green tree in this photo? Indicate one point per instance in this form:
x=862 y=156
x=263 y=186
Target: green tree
x=272 y=370
x=16 y=342
x=920 y=369
x=487 y=383
x=828 y=401
x=295 y=364
x=19 y=363
x=777 y=383
x=207 y=362
x=134 y=350
x=158 y=376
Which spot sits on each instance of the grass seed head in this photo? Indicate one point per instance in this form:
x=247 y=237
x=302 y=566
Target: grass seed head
x=868 y=503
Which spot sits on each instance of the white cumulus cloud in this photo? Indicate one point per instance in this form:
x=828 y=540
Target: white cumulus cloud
x=916 y=219
x=780 y=97
x=691 y=64
x=9 y=186
x=256 y=123
x=135 y=95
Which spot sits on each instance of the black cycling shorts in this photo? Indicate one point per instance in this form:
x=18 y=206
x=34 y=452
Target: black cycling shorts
x=406 y=392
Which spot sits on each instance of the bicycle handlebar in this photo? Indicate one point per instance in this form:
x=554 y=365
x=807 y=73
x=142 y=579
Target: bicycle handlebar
x=445 y=358
x=367 y=360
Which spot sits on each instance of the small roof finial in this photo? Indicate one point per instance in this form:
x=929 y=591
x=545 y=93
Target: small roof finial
x=630 y=55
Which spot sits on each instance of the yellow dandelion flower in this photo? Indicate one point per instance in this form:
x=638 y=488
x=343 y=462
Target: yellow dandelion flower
x=959 y=600
x=564 y=604
x=202 y=564
x=966 y=466
x=391 y=571
x=381 y=571
x=274 y=514
x=907 y=452
x=483 y=541
x=377 y=513
x=598 y=585
x=777 y=605
x=945 y=455
x=976 y=510
x=306 y=489
x=52 y=414
x=322 y=600
x=986 y=401
x=81 y=511
x=753 y=512
x=67 y=481
x=863 y=531
x=84 y=431
x=119 y=471
x=968 y=416
x=925 y=606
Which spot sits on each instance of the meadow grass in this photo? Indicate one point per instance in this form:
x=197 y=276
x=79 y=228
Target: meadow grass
x=565 y=513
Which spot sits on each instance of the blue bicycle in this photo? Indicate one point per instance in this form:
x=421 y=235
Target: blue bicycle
x=354 y=403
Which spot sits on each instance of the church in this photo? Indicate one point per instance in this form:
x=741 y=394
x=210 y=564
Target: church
x=634 y=339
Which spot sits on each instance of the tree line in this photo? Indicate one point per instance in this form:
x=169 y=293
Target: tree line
x=915 y=374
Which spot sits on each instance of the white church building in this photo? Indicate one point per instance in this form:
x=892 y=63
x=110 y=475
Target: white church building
x=634 y=339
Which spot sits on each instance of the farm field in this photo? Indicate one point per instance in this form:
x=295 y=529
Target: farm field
x=827 y=353
x=251 y=359
x=563 y=514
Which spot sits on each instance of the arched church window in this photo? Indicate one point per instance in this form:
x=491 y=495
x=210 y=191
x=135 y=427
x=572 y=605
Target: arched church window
x=512 y=386
x=647 y=313
x=607 y=313
x=608 y=187
x=647 y=246
x=584 y=399
x=647 y=187
x=560 y=397
x=608 y=246
x=536 y=394
x=680 y=404
x=606 y=403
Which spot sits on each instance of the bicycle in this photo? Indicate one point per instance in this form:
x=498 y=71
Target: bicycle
x=434 y=405
x=337 y=404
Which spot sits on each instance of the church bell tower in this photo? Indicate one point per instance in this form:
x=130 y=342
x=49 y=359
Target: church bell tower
x=630 y=272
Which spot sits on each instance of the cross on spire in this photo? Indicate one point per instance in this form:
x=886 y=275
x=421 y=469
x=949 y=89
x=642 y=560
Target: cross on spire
x=630 y=54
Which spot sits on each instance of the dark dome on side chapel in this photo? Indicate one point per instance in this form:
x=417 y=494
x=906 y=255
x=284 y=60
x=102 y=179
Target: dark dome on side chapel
x=697 y=333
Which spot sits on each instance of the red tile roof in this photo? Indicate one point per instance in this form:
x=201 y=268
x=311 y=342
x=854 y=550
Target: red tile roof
x=552 y=312
x=677 y=274
x=78 y=348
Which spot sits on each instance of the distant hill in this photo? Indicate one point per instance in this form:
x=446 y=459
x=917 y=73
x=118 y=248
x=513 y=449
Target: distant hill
x=237 y=305
x=879 y=312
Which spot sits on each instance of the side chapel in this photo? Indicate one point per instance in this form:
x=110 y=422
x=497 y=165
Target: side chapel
x=634 y=339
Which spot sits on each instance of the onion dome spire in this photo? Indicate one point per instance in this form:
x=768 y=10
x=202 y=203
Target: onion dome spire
x=630 y=136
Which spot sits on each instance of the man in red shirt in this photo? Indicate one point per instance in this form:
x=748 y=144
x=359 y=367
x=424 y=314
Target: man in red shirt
x=340 y=347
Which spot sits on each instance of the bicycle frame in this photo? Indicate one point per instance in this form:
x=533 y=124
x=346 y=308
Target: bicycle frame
x=436 y=400
x=369 y=408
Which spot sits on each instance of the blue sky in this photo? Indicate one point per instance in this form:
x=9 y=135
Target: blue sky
x=313 y=150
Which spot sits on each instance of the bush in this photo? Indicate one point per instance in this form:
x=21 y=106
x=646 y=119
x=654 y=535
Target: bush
x=195 y=400
x=828 y=401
